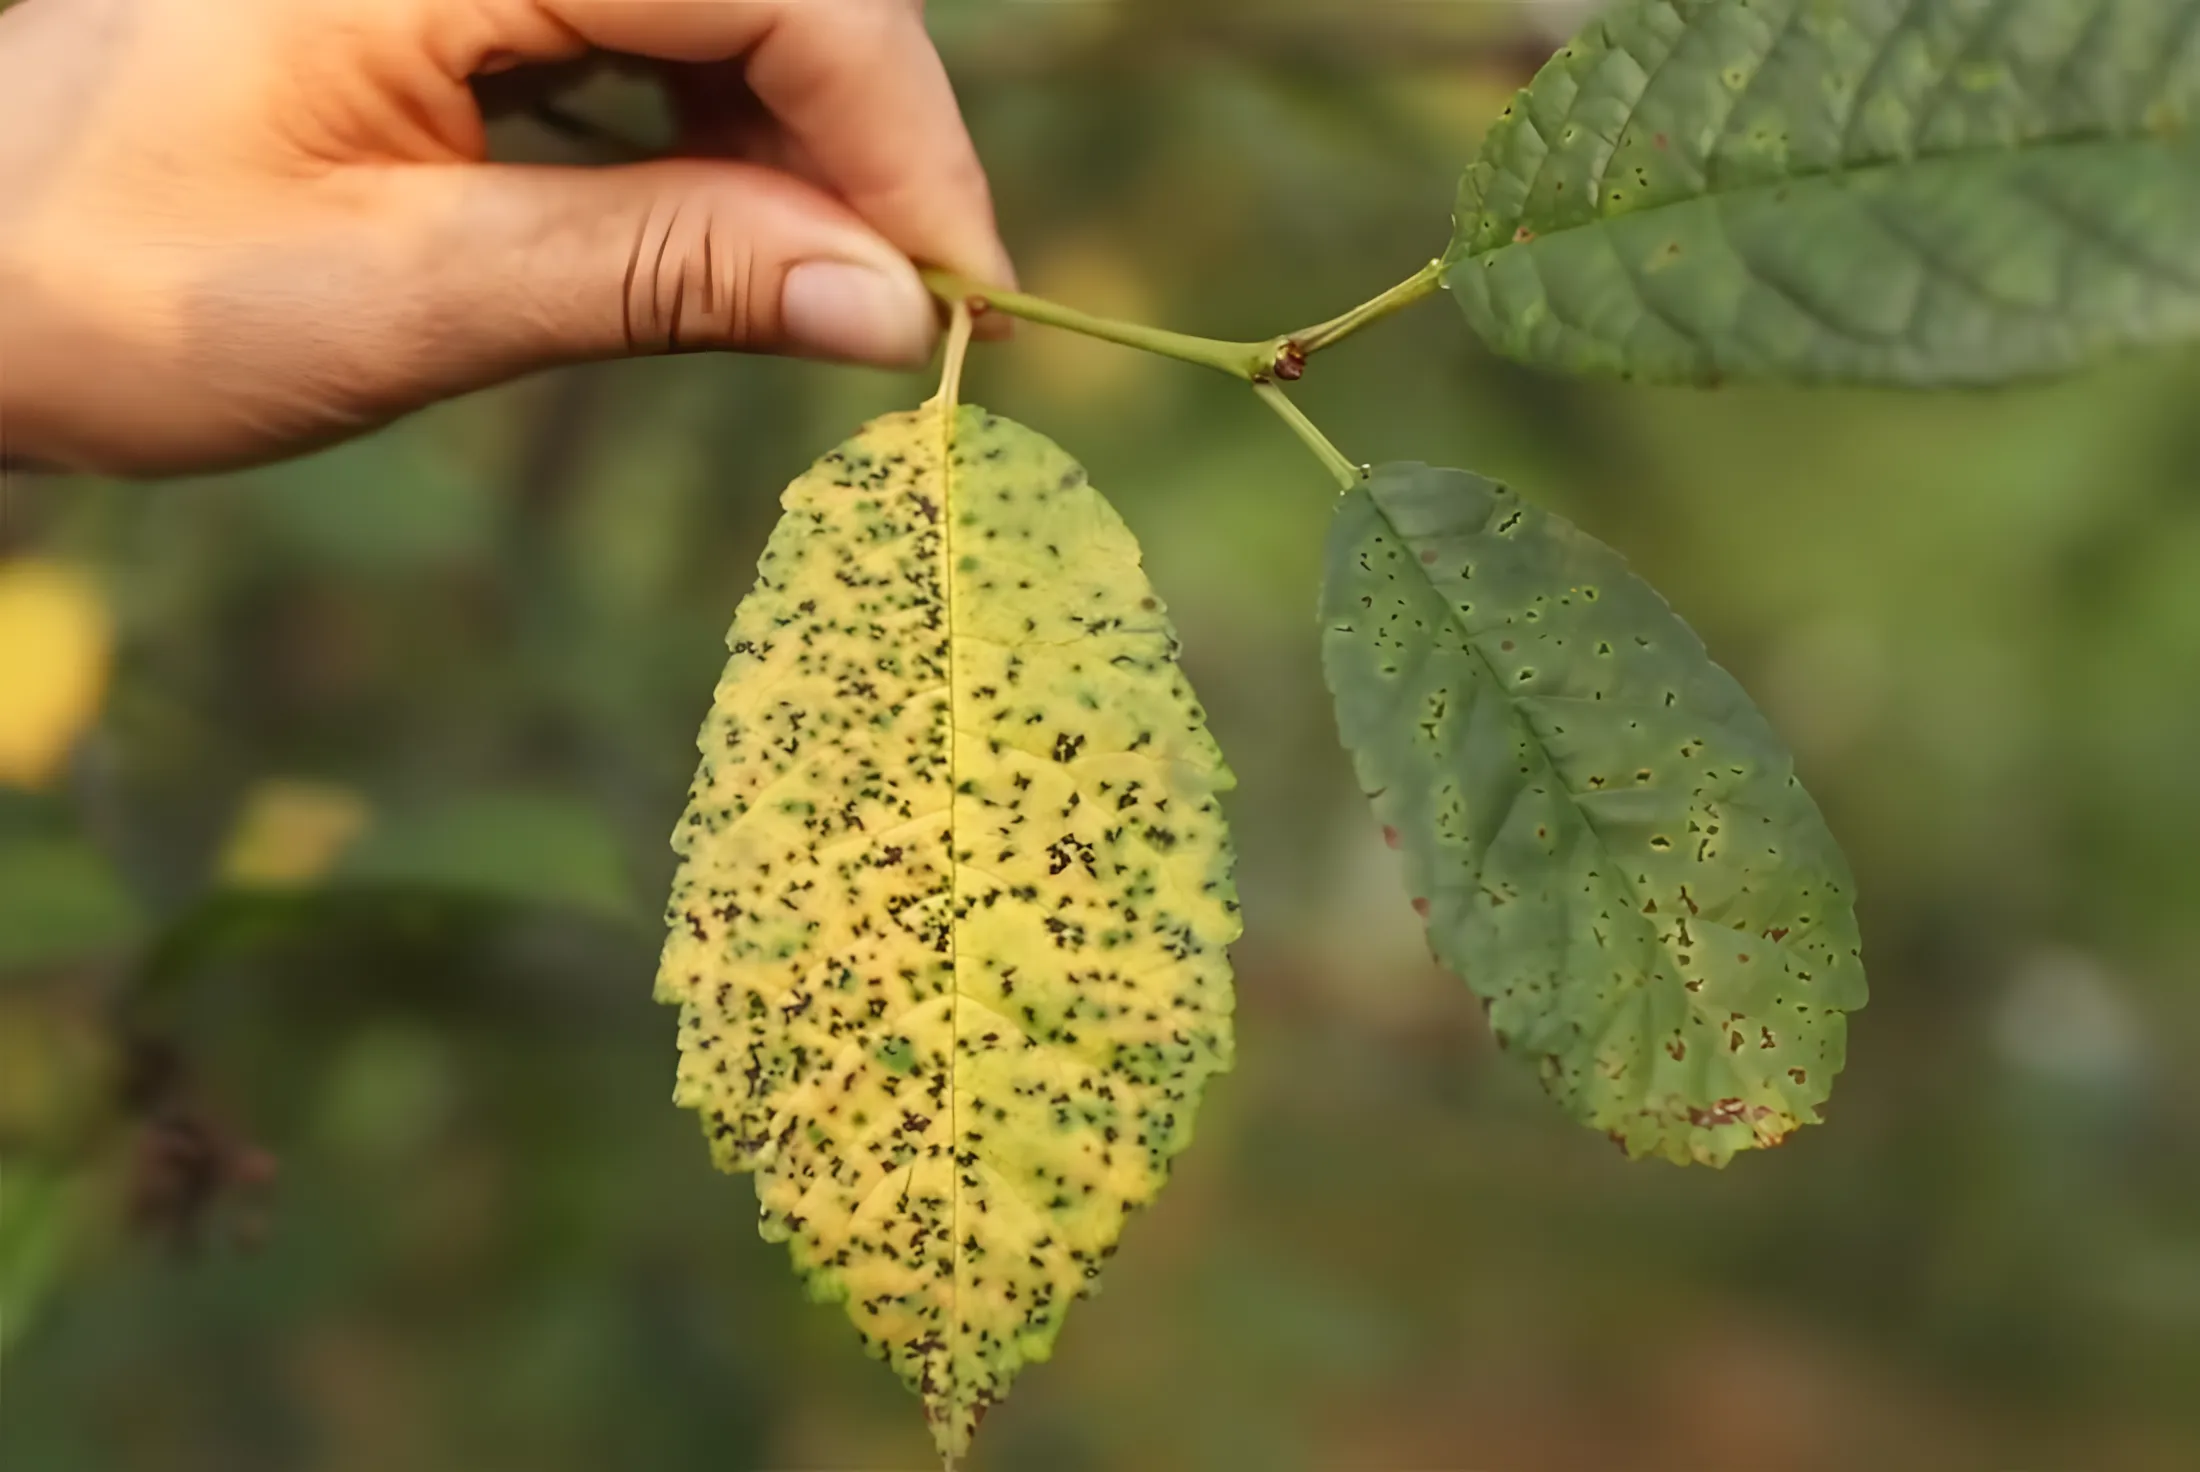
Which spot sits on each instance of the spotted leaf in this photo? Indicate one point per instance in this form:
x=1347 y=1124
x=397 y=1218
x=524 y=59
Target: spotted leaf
x=1873 y=191
x=1603 y=835
x=949 y=933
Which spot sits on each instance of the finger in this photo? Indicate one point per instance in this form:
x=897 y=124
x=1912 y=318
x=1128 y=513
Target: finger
x=717 y=116
x=518 y=267
x=858 y=85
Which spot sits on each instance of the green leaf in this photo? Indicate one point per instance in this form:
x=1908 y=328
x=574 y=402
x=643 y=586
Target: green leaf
x=1606 y=839
x=518 y=848
x=38 y=1215
x=1874 y=191
x=60 y=903
x=949 y=936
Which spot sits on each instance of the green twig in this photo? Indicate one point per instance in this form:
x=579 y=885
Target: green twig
x=1348 y=475
x=1309 y=340
x=1252 y=361
x=1259 y=364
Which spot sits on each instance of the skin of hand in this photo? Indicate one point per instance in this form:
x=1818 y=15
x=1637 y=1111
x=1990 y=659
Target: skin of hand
x=232 y=230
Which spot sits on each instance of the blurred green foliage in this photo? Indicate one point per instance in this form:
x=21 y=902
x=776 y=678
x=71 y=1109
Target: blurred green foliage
x=60 y=901
x=492 y=1241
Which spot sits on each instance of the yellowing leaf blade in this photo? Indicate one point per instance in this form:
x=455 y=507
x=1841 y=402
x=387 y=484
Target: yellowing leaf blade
x=949 y=933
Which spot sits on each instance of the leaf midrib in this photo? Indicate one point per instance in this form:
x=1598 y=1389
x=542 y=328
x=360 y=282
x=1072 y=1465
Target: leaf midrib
x=1550 y=767
x=1543 y=754
x=950 y=422
x=1459 y=254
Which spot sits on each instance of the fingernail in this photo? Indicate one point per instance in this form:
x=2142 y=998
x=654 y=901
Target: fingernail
x=835 y=309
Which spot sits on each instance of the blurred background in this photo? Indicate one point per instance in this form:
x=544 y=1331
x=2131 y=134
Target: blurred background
x=335 y=1128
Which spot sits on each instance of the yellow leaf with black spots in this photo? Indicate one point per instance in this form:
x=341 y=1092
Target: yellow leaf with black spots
x=949 y=935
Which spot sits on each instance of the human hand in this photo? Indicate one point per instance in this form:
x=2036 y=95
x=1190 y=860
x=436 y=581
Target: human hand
x=231 y=230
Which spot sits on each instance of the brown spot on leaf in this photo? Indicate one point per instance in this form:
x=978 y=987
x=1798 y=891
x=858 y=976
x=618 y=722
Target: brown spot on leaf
x=1726 y=1111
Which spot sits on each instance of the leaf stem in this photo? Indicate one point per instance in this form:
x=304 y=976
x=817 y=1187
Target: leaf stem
x=1348 y=475
x=958 y=349
x=1251 y=361
x=1424 y=282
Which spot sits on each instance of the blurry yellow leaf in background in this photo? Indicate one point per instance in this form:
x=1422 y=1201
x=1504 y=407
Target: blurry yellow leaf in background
x=289 y=834
x=56 y=642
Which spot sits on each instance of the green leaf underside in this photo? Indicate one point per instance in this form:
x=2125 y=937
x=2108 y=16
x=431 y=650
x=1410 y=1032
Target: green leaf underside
x=949 y=935
x=1606 y=840
x=1877 y=191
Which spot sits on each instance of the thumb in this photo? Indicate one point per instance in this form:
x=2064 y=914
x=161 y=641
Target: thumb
x=520 y=267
